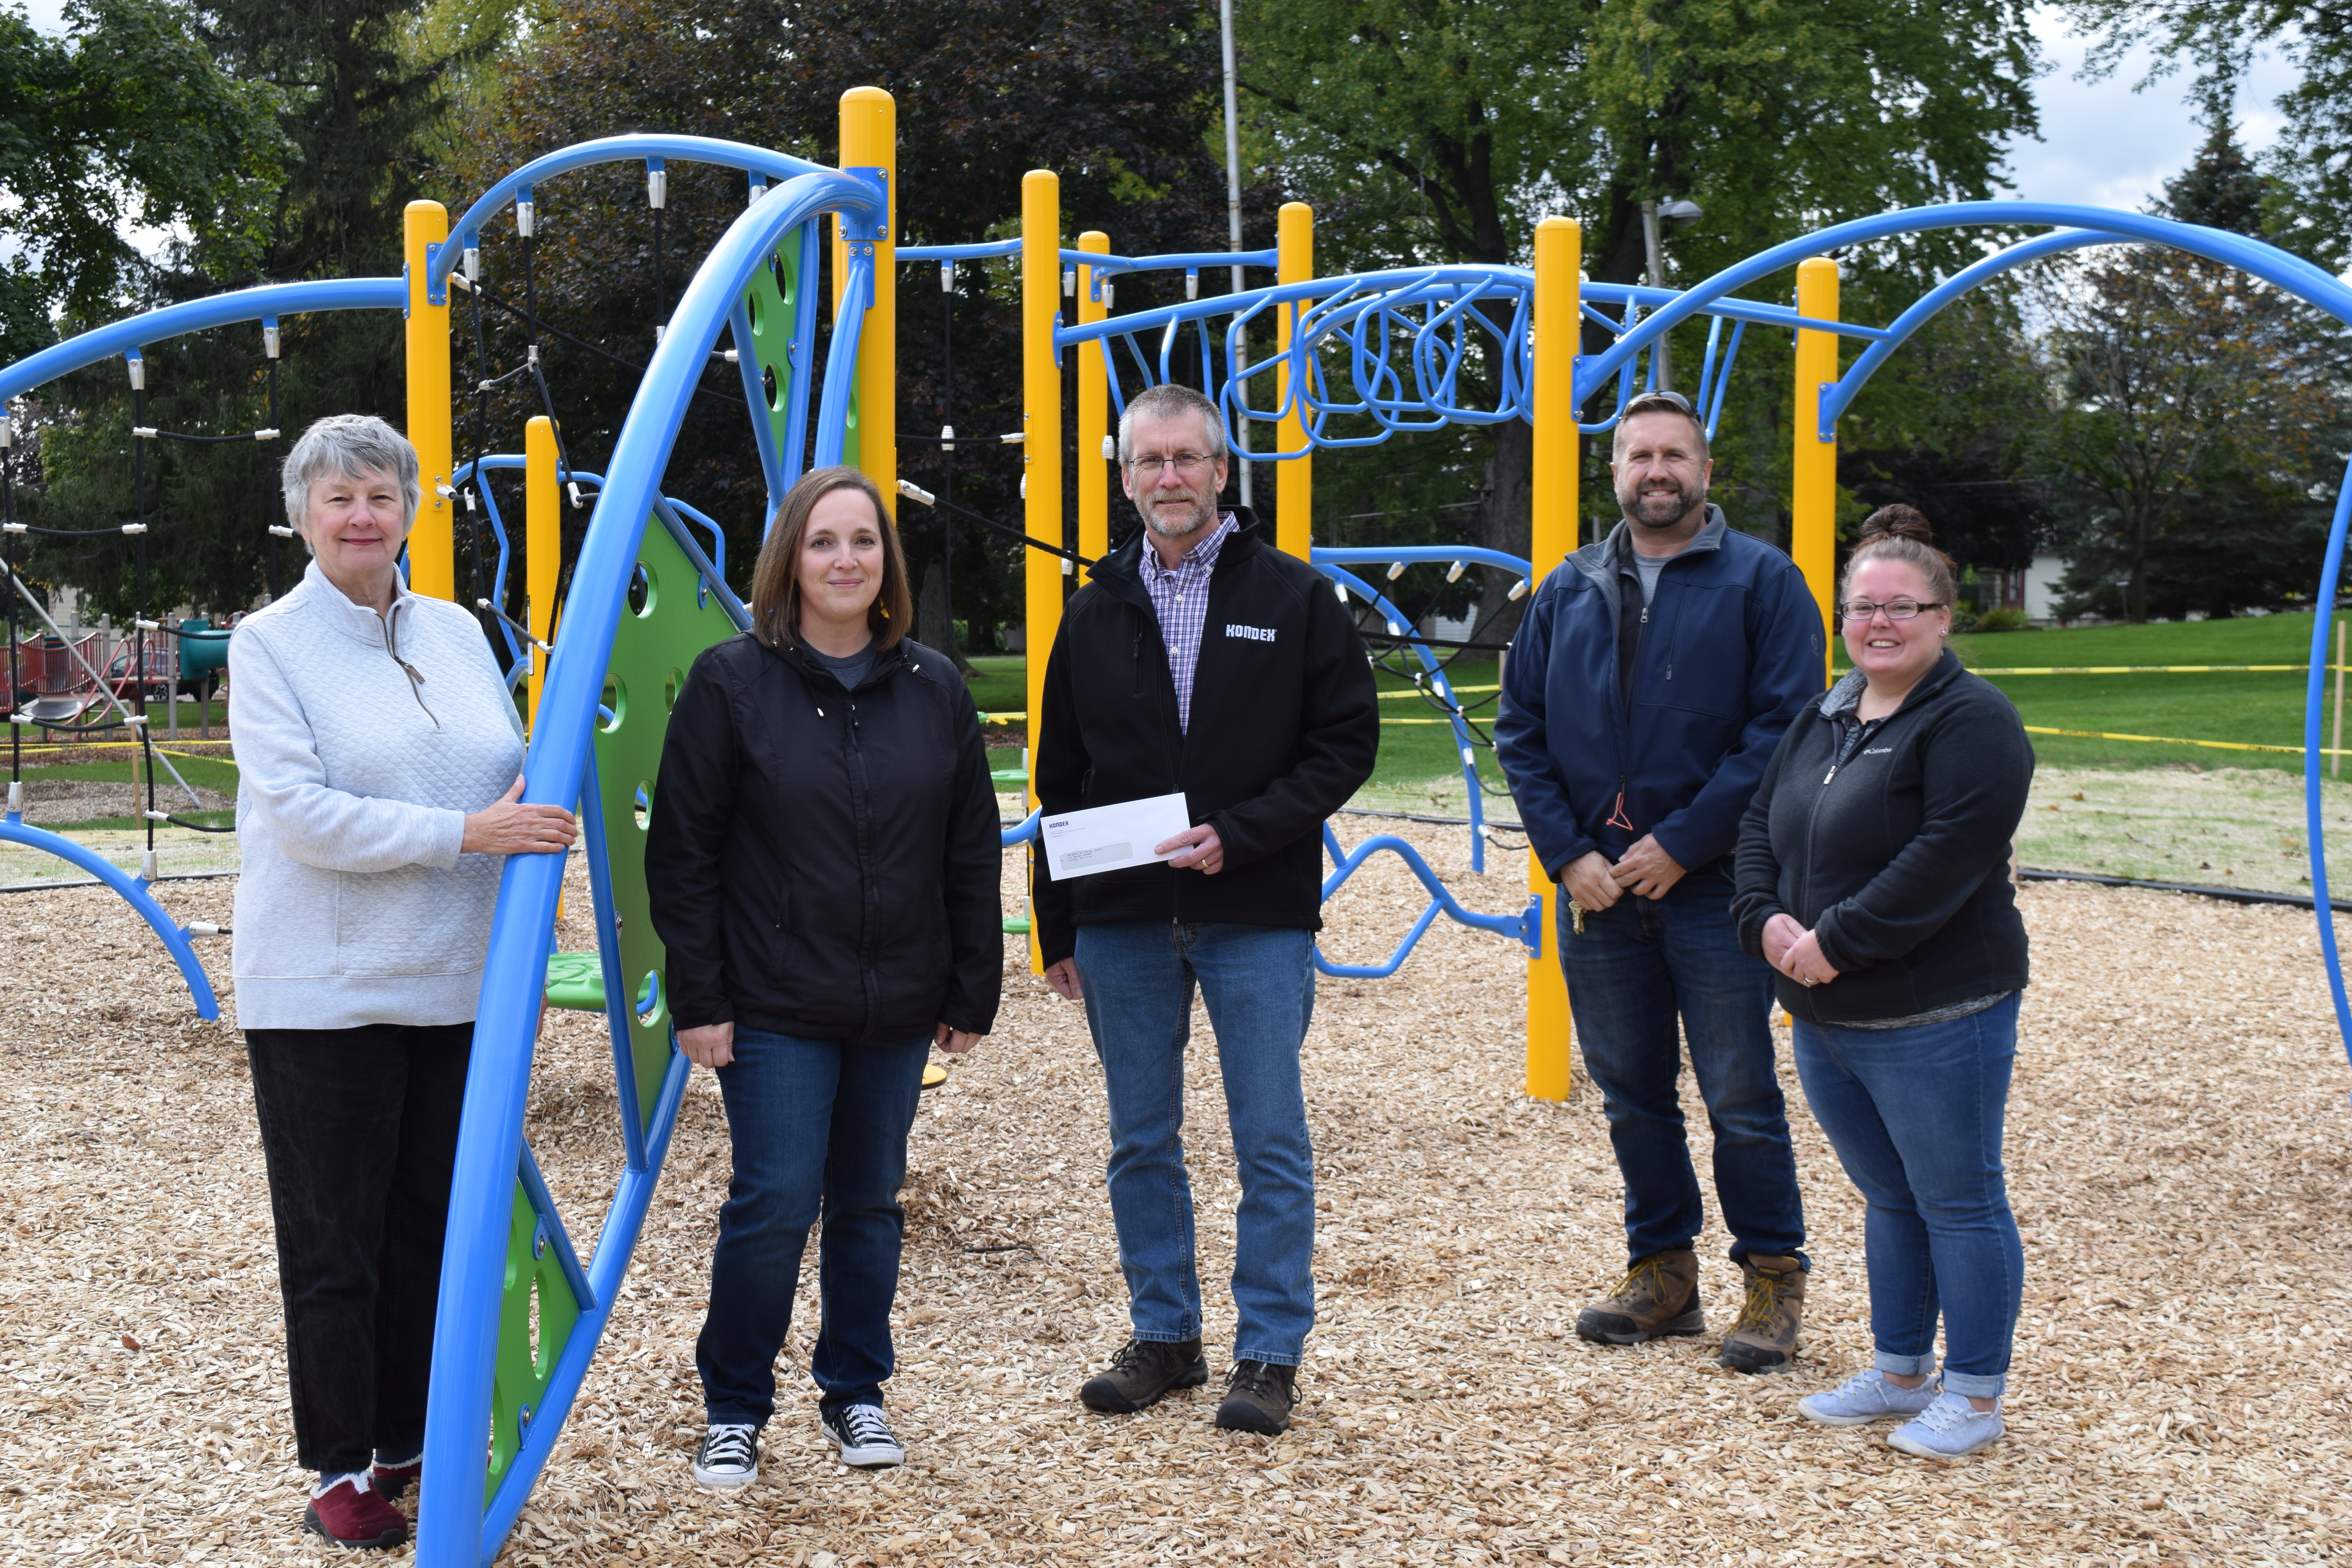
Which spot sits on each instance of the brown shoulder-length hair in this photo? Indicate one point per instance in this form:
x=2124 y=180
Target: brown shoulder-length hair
x=776 y=582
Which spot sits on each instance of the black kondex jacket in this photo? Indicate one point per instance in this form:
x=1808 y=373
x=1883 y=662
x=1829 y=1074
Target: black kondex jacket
x=824 y=862
x=1898 y=859
x=1285 y=728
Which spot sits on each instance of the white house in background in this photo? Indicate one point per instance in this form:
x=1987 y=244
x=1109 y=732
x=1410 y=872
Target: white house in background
x=2033 y=589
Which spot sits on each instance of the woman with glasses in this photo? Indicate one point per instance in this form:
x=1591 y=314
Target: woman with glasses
x=1873 y=875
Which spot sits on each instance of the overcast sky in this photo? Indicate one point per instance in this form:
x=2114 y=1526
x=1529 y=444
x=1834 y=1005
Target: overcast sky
x=2102 y=144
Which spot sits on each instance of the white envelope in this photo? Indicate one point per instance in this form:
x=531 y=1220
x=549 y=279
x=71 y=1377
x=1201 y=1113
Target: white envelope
x=1112 y=838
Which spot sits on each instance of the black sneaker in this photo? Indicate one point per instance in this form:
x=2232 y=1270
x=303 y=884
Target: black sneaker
x=862 y=1437
x=728 y=1460
x=1141 y=1371
x=1259 y=1398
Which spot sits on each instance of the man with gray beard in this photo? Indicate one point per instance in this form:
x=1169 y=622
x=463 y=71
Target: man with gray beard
x=1646 y=692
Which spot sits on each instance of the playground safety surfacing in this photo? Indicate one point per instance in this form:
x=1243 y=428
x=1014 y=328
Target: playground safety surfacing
x=2183 y=1390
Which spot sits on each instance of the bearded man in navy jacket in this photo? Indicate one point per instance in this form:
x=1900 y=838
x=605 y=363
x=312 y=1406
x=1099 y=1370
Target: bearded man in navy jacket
x=1648 y=687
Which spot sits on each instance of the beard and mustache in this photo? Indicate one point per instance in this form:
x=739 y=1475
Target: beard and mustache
x=1659 y=503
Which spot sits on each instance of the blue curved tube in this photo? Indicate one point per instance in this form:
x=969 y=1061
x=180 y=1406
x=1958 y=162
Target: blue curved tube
x=452 y=1525
x=1025 y=832
x=139 y=895
x=129 y=335
x=1518 y=927
x=1841 y=393
x=2291 y=273
x=2330 y=575
x=604 y=149
x=1400 y=626
x=841 y=364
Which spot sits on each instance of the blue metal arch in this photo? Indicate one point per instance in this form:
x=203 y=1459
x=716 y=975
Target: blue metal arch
x=452 y=1525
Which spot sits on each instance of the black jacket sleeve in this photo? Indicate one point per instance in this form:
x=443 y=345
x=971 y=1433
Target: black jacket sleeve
x=1755 y=873
x=972 y=875
x=1339 y=741
x=1976 y=769
x=1058 y=761
x=693 y=813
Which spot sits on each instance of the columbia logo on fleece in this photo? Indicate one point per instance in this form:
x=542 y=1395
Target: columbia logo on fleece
x=1878 y=752
x=1254 y=634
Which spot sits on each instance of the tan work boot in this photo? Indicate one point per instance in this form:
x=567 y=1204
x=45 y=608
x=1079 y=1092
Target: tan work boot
x=1765 y=1337
x=1658 y=1298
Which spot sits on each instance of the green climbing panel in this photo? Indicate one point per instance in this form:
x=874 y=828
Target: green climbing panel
x=539 y=1313
x=669 y=618
x=773 y=301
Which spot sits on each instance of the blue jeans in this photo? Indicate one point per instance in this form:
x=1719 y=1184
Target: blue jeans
x=1641 y=965
x=1259 y=984
x=819 y=1127
x=1915 y=1118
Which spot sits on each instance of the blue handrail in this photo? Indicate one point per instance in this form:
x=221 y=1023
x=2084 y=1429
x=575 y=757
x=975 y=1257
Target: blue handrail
x=465 y=232
x=139 y=894
x=1523 y=927
x=129 y=335
x=452 y=1525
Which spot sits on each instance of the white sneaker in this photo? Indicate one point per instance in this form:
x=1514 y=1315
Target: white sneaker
x=728 y=1460
x=1950 y=1428
x=864 y=1437
x=1864 y=1397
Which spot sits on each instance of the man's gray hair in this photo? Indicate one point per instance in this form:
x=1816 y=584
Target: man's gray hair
x=1658 y=403
x=1167 y=401
x=347 y=446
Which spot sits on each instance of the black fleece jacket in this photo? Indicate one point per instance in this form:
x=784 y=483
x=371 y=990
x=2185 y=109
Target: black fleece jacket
x=1283 y=729
x=1897 y=857
x=825 y=862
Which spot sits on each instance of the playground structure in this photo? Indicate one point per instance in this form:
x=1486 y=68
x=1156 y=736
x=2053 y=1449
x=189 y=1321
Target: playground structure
x=1355 y=359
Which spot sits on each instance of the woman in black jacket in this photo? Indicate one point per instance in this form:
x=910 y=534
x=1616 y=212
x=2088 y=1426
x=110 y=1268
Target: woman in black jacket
x=823 y=863
x=1873 y=875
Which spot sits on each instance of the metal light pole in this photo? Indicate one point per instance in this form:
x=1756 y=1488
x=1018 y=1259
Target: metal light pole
x=1233 y=182
x=1651 y=215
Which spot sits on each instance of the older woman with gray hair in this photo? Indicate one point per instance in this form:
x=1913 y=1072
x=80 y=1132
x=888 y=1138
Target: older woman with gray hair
x=379 y=755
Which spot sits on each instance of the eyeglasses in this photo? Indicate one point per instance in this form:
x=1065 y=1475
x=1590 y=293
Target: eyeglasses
x=1186 y=464
x=1897 y=609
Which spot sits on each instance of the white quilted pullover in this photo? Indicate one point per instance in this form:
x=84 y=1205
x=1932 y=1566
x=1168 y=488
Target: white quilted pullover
x=355 y=776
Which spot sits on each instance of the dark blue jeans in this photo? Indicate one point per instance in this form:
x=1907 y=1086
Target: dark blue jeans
x=819 y=1129
x=1258 y=983
x=1915 y=1118
x=1642 y=965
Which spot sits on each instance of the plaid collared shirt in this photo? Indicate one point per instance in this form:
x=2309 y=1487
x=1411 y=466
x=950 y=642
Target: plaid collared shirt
x=1180 y=597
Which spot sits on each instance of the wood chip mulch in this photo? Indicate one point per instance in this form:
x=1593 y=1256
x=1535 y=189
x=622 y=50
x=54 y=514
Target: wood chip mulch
x=2182 y=1385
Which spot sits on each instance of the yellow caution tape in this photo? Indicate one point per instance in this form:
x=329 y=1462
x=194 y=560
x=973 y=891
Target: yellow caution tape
x=2176 y=740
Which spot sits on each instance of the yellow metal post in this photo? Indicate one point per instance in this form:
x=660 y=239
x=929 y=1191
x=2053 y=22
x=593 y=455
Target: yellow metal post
x=542 y=513
x=870 y=140
x=1294 y=497
x=1040 y=451
x=1560 y=259
x=1812 y=508
x=432 y=547
x=1094 y=414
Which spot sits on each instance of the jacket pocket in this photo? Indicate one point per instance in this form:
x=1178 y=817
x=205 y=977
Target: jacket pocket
x=1706 y=667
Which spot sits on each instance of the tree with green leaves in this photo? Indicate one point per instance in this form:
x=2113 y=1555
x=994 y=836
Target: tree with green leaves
x=125 y=120
x=2200 y=411
x=1444 y=129
x=347 y=102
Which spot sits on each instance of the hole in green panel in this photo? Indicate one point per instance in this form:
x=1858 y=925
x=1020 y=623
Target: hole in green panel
x=616 y=703
x=649 y=1000
x=671 y=687
x=644 y=591
x=770 y=385
x=642 y=808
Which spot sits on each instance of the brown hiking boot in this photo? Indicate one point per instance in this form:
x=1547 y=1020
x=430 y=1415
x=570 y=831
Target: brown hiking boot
x=1765 y=1337
x=1141 y=1372
x=1259 y=1398
x=1658 y=1298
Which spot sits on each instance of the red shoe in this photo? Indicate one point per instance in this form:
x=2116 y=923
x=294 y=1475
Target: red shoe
x=391 y=1481
x=350 y=1514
